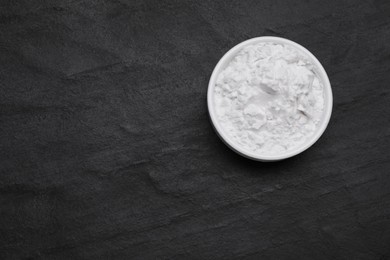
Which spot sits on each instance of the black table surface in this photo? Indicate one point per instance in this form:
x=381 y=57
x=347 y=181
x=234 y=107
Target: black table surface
x=107 y=151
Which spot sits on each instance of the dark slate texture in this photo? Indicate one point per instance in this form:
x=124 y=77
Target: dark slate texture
x=107 y=151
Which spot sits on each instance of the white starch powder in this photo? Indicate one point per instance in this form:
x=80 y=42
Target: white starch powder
x=269 y=98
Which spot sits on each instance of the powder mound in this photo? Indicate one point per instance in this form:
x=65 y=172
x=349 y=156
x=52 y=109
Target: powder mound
x=269 y=99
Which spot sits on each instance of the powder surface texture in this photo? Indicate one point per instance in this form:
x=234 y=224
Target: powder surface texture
x=269 y=99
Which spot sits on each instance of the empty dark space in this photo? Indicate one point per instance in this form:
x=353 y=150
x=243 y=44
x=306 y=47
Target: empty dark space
x=107 y=151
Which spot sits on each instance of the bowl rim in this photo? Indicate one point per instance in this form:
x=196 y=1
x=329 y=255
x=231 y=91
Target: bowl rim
x=328 y=100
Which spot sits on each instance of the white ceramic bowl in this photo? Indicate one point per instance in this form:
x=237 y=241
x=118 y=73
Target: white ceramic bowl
x=328 y=101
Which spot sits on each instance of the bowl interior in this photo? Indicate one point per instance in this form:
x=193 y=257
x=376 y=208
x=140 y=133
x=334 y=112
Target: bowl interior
x=328 y=100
